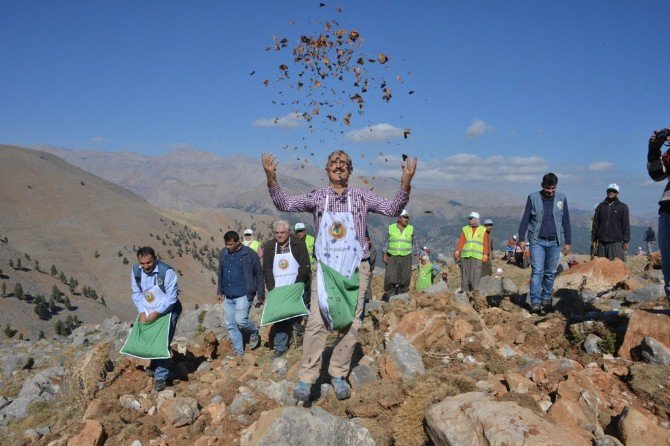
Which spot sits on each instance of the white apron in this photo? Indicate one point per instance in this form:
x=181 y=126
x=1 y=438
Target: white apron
x=284 y=267
x=337 y=247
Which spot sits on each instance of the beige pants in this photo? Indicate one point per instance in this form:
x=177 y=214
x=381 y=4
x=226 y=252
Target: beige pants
x=314 y=340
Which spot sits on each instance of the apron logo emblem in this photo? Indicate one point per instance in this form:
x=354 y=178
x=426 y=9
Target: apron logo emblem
x=149 y=297
x=159 y=282
x=283 y=264
x=337 y=230
x=559 y=205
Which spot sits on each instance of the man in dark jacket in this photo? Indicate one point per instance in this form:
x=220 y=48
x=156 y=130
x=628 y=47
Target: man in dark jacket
x=650 y=239
x=240 y=281
x=611 y=226
x=285 y=261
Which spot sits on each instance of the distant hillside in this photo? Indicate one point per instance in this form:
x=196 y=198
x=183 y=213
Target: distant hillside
x=56 y=214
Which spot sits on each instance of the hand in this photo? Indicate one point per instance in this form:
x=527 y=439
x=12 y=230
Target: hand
x=152 y=316
x=485 y=258
x=408 y=171
x=270 y=163
x=219 y=298
x=566 y=249
x=457 y=255
x=625 y=246
x=259 y=302
x=522 y=245
x=385 y=258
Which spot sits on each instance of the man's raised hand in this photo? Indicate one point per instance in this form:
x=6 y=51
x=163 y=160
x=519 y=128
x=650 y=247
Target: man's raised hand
x=408 y=171
x=270 y=163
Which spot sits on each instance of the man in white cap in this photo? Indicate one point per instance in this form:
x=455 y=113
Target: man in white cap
x=611 y=226
x=487 y=267
x=398 y=250
x=472 y=250
x=250 y=241
x=301 y=233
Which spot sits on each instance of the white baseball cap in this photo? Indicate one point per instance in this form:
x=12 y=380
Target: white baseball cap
x=248 y=231
x=613 y=186
x=299 y=226
x=404 y=213
x=473 y=215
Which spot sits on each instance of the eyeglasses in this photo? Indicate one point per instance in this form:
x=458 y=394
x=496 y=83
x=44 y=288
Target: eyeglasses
x=405 y=216
x=299 y=230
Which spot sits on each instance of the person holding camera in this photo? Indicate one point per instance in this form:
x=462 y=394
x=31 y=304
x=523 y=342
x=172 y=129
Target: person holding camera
x=658 y=167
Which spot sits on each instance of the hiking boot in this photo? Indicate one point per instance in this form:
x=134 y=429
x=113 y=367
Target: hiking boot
x=545 y=308
x=385 y=297
x=149 y=372
x=254 y=341
x=278 y=354
x=301 y=393
x=536 y=308
x=160 y=384
x=342 y=389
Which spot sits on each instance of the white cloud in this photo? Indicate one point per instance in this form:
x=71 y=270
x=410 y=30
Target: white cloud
x=98 y=139
x=378 y=132
x=477 y=128
x=289 y=121
x=601 y=166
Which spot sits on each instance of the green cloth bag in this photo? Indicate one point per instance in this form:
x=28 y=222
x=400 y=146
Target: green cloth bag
x=284 y=302
x=149 y=340
x=342 y=296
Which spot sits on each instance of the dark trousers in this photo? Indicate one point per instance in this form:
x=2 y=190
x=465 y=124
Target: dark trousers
x=612 y=250
x=398 y=274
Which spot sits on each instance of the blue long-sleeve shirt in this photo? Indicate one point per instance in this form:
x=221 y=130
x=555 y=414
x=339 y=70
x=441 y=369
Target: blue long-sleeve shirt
x=148 y=281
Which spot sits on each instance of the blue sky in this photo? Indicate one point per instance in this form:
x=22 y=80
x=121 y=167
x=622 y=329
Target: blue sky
x=504 y=90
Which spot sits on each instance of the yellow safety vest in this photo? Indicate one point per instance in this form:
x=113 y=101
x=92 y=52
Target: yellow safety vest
x=425 y=278
x=309 y=241
x=254 y=244
x=474 y=243
x=400 y=243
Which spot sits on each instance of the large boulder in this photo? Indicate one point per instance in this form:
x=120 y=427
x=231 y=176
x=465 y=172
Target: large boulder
x=641 y=429
x=304 y=427
x=644 y=324
x=594 y=277
x=402 y=360
x=44 y=386
x=92 y=434
x=648 y=293
x=423 y=327
x=473 y=419
x=655 y=352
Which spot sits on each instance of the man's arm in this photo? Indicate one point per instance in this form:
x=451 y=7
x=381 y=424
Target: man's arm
x=268 y=261
x=137 y=296
x=393 y=208
x=219 y=286
x=595 y=225
x=302 y=257
x=459 y=246
x=626 y=226
x=171 y=291
x=523 y=225
x=258 y=276
x=385 y=247
x=655 y=167
x=567 y=229
x=283 y=202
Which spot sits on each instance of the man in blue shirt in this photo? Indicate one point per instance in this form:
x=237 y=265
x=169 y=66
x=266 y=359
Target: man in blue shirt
x=240 y=281
x=146 y=274
x=547 y=221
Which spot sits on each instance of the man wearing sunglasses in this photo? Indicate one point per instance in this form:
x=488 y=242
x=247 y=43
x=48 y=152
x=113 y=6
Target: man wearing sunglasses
x=397 y=251
x=547 y=221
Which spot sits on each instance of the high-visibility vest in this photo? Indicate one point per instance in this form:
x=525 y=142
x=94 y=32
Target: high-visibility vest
x=309 y=241
x=474 y=243
x=400 y=243
x=425 y=277
x=253 y=244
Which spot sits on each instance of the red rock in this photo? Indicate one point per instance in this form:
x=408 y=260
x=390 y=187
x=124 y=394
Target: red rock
x=640 y=428
x=641 y=324
x=596 y=276
x=93 y=409
x=460 y=329
x=91 y=435
x=422 y=328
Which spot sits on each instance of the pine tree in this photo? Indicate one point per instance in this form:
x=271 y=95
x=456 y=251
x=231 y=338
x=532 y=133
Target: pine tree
x=37 y=265
x=41 y=335
x=54 y=271
x=55 y=293
x=11 y=264
x=52 y=305
x=97 y=254
x=60 y=328
x=66 y=302
x=3 y=288
x=18 y=264
x=9 y=332
x=102 y=301
x=125 y=261
x=62 y=277
x=18 y=291
x=42 y=310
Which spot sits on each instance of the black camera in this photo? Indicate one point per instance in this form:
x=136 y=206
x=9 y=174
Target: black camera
x=662 y=135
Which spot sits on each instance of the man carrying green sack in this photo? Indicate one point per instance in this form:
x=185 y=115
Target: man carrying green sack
x=342 y=270
x=286 y=268
x=155 y=294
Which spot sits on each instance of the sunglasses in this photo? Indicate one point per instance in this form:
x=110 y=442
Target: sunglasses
x=404 y=216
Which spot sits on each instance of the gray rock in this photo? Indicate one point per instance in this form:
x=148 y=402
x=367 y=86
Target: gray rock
x=461 y=298
x=280 y=366
x=497 y=286
x=405 y=357
x=436 y=288
x=648 y=293
x=44 y=430
x=179 y=412
x=590 y=344
x=404 y=297
x=204 y=367
x=17 y=362
x=31 y=434
x=188 y=324
x=37 y=388
x=374 y=306
x=3 y=402
x=302 y=427
x=655 y=352
x=129 y=402
x=243 y=403
x=214 y=319
x=360 y=375
x=507 y=352
x=654 y=275
x=281 y=391
x=80 y=340
x=136 y=443
x=607 y=440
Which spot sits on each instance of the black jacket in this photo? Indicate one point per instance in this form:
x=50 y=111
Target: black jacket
x=611 y=223
x=300 y=254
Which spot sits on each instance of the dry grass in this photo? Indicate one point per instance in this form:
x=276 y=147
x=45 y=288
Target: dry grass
x=409 y=419
x=651 y=382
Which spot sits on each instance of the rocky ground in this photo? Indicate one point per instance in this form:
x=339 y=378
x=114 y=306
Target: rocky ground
x=432 y=368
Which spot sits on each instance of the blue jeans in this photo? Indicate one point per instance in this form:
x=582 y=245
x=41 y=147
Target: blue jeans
x=664 y=246
x=236 y=312
x=161 y=367
x=544 y=256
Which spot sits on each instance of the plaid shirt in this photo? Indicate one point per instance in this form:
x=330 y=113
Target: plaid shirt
x=363 y=201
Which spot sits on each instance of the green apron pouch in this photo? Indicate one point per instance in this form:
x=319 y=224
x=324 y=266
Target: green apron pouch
x=284 y=302
x=149 y=340
x=342 y=296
